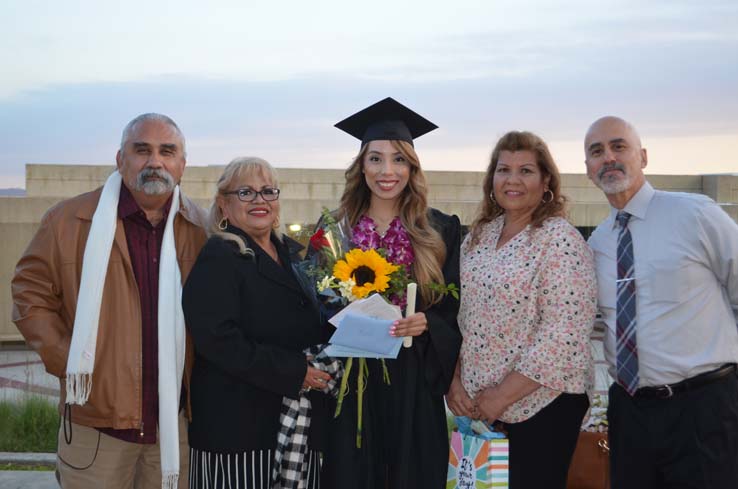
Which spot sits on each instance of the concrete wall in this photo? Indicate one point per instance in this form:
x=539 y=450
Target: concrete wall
x=304 y=193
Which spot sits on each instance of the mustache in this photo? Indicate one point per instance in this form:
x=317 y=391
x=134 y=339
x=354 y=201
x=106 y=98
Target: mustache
x=607 y=168
x=148 y=173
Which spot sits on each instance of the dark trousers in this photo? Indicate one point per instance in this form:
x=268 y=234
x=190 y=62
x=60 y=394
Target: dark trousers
x=542 y=446
x=689 y=441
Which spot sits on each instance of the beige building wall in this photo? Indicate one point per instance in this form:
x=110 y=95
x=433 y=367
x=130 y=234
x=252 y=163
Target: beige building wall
x=304 y=193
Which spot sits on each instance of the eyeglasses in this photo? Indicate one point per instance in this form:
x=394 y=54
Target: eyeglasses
x=249 y=194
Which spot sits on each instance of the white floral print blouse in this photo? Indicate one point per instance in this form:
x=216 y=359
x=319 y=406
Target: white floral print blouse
x=528 y=307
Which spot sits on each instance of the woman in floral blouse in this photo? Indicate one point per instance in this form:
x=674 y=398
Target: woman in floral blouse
x=527 y=309
x=404 y=439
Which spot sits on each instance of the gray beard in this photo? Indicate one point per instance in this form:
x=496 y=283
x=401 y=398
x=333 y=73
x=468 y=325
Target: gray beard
x=615 y=186
x=164 y=184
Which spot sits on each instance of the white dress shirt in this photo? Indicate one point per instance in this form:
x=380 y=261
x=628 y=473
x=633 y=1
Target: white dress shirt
x=686 y=272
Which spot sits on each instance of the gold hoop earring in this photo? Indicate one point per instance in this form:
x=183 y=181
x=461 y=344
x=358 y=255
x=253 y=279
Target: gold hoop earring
x=275 y=224
x=223 y=224
x=543 y=199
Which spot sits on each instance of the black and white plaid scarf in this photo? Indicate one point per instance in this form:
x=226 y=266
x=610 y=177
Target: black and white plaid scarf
x=290 y=457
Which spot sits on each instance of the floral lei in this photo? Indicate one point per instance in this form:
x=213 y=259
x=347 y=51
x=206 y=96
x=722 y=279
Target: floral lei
x=396 y=243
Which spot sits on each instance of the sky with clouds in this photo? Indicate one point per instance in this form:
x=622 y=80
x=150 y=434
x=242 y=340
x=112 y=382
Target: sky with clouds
x=271 y=78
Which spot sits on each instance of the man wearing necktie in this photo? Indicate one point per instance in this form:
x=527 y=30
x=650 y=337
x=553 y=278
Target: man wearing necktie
x=667 y=271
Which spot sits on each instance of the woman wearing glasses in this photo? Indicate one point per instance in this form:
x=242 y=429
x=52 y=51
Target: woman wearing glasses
x=251 y=317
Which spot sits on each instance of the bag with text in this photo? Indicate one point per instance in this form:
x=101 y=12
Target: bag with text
x=477 y=463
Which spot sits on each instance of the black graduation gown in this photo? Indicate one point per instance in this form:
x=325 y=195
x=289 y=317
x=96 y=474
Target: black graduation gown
x=405 y=443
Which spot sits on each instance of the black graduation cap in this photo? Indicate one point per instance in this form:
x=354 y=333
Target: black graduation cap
x=387 y=119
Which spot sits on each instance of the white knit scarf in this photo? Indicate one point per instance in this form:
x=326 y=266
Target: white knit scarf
x=171 y=329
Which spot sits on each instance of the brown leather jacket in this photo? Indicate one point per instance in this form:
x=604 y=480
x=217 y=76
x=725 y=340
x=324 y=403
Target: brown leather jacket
x=45 y=289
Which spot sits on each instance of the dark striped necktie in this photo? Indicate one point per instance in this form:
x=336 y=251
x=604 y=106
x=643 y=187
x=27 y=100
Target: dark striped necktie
x=626 y=347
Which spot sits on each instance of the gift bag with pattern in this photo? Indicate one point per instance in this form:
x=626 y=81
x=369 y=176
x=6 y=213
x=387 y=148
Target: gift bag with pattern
x=475 y=463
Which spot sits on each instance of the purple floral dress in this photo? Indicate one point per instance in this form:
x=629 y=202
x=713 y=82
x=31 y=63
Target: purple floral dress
x=395 y=242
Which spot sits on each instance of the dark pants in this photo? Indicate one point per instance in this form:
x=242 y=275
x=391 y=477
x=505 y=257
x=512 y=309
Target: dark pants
x=687 y=441
x=542 y=446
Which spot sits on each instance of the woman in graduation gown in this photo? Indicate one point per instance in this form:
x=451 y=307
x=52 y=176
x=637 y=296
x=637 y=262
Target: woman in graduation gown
x=404 y=443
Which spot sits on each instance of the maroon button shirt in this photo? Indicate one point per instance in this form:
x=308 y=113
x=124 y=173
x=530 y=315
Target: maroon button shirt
x=144 y=248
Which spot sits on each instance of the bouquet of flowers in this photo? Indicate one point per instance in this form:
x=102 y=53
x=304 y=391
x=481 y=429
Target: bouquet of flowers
x=356 y=273
x=345 y=274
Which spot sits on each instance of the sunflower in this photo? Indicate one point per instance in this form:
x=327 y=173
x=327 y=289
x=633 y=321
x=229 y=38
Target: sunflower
x=367 y=268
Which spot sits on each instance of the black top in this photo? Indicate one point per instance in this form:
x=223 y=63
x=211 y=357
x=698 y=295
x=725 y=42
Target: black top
x=405 y=443
x=250 y=319
x=386 y=120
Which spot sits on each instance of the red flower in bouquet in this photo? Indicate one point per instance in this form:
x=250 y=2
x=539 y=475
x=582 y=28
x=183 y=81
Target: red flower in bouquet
x=319 y=240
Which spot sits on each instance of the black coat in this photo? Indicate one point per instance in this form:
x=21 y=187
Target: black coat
x=250 y=319
x=405 y=442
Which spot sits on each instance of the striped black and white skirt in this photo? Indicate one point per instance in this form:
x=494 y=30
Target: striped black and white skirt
x=245 y=470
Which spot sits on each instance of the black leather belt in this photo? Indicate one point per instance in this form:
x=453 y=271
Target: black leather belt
x=690 y=384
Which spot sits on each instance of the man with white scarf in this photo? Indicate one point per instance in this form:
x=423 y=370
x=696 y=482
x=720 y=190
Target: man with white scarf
x=97 y=294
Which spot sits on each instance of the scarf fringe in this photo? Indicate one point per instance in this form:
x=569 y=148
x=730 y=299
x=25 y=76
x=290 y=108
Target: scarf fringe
x=78 y=388
x=169 y=481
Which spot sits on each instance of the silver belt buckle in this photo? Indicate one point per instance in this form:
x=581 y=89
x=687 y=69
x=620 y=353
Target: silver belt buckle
x=669 y=391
